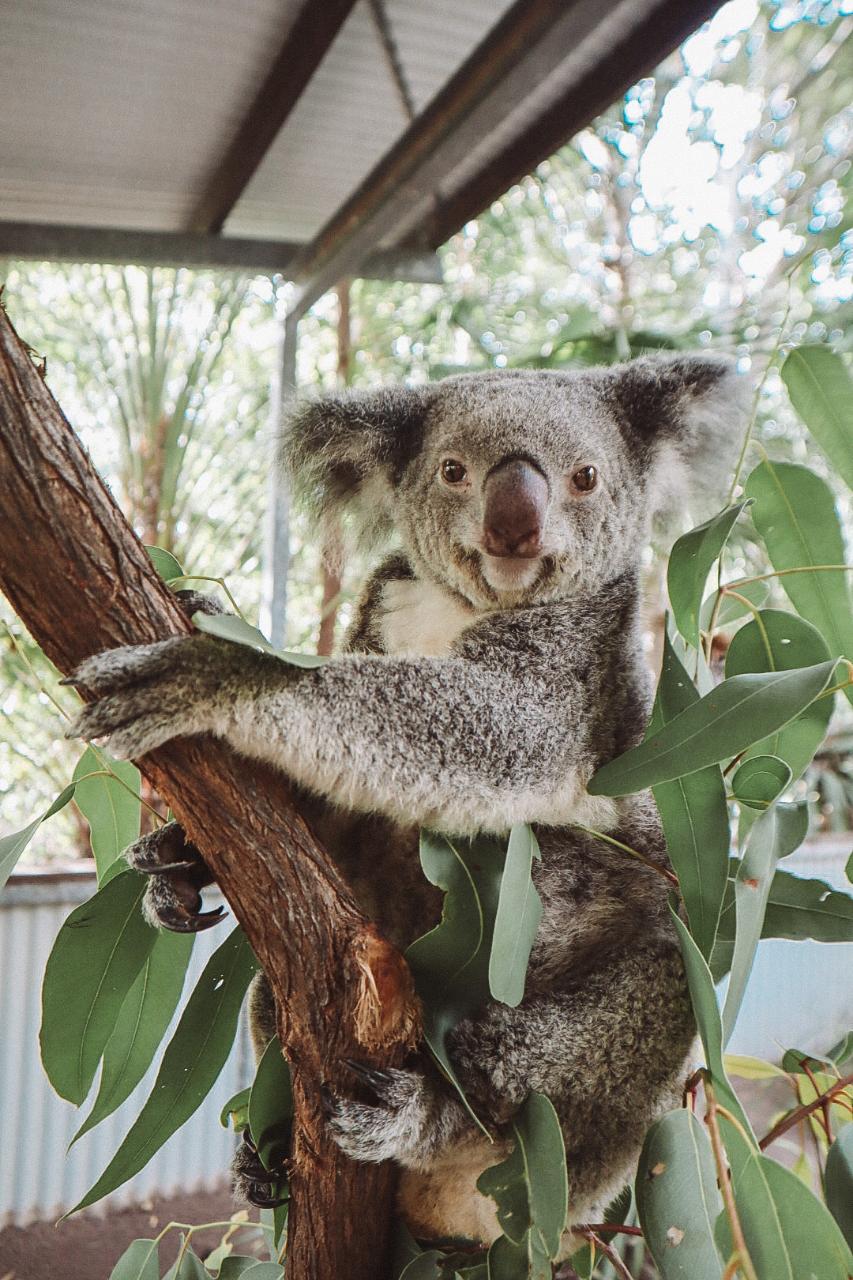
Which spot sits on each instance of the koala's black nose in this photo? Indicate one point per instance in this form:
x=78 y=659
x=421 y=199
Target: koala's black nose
x=516 y=499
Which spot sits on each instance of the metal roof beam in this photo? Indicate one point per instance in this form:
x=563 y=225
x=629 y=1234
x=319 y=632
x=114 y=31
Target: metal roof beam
x=310 y=31
x=51 y=243
x=540 y=52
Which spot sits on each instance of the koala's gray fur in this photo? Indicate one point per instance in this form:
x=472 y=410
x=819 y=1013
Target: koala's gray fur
x=477 y=692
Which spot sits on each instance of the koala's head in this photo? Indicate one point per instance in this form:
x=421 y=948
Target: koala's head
x=522 y=486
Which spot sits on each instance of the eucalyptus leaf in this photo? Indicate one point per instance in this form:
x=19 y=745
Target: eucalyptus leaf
x=821 y=391
x=140 y=1261
x=191 y=1064
x=264 y=1271
x=704 y=1000
x=450 y=964
x=523 y=1261
x=530 y=1187
x=797 y=908
x=794 y=512
x=227 y=626
x=142 y=1022
x=271 y=1106
x=235 y=1114
x=108 y=804
x=693 y=813
x=775 y=835
x=187 y=1266
x=690 y=563
x=779 y=641
x=426 y=1266
x=517 y=918
x=760 y=780
x=95 y=959
x=839 y=1182
x=721 y=725
x=165 y=563
x=237 y=1265
x=14 y=844
x=677 y=1198
x=790 y=1235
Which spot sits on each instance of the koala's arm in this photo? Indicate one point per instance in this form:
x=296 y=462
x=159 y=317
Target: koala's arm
x=494 y=735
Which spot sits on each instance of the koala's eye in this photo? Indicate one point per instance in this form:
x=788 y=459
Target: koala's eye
x=584 y=479
x=453 y=471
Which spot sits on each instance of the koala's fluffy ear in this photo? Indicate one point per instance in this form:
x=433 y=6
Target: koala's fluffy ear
x=683 y=417
x=345 y=452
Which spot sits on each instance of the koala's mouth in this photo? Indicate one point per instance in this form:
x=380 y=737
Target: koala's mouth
x=510 y=573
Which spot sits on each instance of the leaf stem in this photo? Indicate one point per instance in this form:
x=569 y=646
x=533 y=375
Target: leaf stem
x=669 y=876
x=220 y=582
x=781 y=573
x=608 y=1251
x=799 y=1113
x=744 y=1261
x=753 y=416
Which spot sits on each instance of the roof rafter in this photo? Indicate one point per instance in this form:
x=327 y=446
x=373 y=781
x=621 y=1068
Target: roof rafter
x=549 y=62
x=310 y=31
x=180 y=249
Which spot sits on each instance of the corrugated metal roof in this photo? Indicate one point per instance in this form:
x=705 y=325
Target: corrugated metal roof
x=115 y=113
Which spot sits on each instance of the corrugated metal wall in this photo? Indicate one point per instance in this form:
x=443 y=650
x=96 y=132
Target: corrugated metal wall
x=37 y=1180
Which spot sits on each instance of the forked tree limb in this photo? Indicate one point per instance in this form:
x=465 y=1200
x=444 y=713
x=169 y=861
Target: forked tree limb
x=81 y=581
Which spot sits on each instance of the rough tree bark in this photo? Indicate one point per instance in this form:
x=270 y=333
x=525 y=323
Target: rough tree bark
x=81 y=582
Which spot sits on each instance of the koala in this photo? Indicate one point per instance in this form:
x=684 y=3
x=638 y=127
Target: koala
x=494 y=662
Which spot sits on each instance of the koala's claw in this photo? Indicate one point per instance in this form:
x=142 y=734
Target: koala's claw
x=173 y=897
x=381 y=1083
x=252 y=1181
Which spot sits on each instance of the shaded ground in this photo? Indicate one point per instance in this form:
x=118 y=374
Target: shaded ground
x=88 y=1246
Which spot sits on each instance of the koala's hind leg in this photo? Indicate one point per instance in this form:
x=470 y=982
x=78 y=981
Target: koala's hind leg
x=177 y=874
x=610 y=1049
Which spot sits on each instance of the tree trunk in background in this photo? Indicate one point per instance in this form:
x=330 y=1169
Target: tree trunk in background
x=81 y=581
x=332 y=579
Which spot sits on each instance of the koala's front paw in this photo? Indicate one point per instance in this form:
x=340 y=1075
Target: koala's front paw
x=408 y=1121
x=150 y=693
x=178 y=874
x=253 y=1182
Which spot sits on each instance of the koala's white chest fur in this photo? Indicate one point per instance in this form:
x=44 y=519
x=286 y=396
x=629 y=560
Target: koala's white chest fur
x=421 y=620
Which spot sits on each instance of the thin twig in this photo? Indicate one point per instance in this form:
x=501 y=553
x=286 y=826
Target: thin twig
x=744 y=1261
x=669 y=876
x=799 y=1113
x=609 y=1253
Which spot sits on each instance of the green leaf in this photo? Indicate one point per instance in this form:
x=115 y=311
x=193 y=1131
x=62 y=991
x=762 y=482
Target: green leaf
x=693 y=814
x=789 y=1234
x=98 y=952
x=839 y=1182
x=517 y=918
x=797 y=909
x=760 y=780
x=677 y=1198
x=191 y=1064
x=689 y=565
x=111 y=810
x=227 y=626
x=165 y=563
x=821 y=391
x=187 y=1266
x=236 y=1266
x=530 y=1187
x=704 y=1000
x=141 y=1025
x=731 y=609
x=775 y=834
x=264 y=1271
x=271 y=1106
x=779 y=641
x=140 y=1261
x=13 y=845
x=450 y=964
x=235 y=1114
x=795 y=514
x=725 y=722
x=841 y=1050
x=524 y=1261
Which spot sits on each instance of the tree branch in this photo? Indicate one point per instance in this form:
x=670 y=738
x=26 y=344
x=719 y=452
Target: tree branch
x=82 y=582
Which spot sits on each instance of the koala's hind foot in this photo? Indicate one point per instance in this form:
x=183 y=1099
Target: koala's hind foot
x=252 y=1181
x=178 y=874
x=409 y=1117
